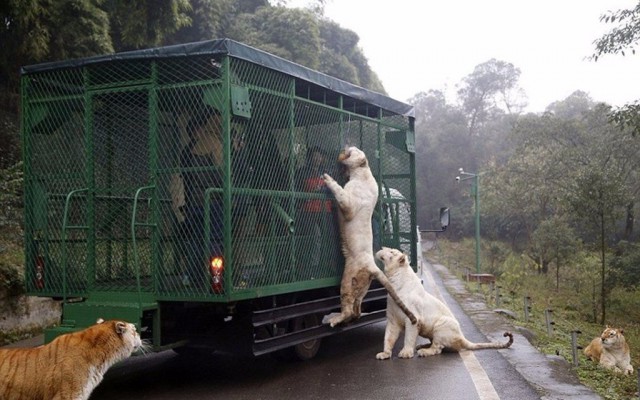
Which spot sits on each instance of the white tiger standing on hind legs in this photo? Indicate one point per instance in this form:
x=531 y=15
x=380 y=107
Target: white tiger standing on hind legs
x=435 y=320
x=356 y=202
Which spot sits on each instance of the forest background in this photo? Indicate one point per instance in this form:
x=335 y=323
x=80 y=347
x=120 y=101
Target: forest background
x=557 y=191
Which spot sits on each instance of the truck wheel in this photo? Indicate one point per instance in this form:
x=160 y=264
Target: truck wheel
x=306 y=350
x=301 y=351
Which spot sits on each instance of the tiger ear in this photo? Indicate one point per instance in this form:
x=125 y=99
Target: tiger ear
x=121 y=328
x=403 y=259
x=99 y=321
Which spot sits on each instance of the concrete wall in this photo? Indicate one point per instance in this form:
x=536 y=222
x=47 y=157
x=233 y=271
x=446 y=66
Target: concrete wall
x=26 y=313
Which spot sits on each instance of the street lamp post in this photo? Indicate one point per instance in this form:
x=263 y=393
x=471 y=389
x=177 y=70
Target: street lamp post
x=475 y=191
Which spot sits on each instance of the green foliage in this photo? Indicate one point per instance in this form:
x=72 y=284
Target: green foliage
x=208 y=19
x=627 y=117
x=78 y=28
x=569 y=165
x=621 y=39
x=495 y=254
x=9 y=139
x=11 y=255
x=515 y=271
x=292 y=34
x=491 y=83
x=15 y=336
x=140 y=24
x=571 y=305
x=342 y=57
x=553 y=239
x=625 y=266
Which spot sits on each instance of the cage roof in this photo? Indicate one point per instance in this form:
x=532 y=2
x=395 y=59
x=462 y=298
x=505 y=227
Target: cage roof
x=241 y=51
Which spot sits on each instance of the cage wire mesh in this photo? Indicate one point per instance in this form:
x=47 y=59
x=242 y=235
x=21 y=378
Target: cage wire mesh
x=143 y=171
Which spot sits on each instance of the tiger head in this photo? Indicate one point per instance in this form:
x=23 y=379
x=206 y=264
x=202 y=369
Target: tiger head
x=612 y=336
x=353 y=158
x=126 y=333
x=393 y=260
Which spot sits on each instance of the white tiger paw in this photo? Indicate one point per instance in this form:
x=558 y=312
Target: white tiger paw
x=628 y=370
x=383 y=355
x=406 y=352
x=426 y=352
x=327 y=178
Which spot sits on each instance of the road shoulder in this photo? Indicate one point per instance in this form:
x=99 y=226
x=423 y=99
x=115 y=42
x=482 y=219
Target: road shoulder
x=553 y=376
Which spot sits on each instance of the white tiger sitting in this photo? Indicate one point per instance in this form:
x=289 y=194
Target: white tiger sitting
x=435 y=320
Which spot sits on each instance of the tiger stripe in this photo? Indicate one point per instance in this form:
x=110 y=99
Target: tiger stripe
x=71 y=366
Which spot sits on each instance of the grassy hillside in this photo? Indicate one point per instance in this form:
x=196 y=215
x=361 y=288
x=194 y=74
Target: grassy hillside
x=571 y=304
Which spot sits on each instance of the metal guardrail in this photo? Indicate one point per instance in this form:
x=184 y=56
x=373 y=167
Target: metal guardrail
x=65 y=228
x=134 y=224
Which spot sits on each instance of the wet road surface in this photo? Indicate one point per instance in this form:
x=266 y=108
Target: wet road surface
x=346 y=367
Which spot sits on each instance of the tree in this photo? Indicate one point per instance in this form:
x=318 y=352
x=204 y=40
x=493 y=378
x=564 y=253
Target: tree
x=569 y=164
x=599 y=189
x=573 y=107
x=554 y=239
x=148 y=23
x=622 y=39
x=342 y=57
x=489 y=90
x=78 y=28
x=442 y=146
x=625 y=265
x=46 y=30
x=208 y=20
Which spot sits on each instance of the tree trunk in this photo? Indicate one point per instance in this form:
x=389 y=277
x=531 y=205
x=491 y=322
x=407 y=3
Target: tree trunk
x=557 y=274
x=602 y=271
x=628 y=228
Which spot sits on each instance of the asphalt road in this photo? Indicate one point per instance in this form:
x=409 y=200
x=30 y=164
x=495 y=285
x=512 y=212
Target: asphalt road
x=346 y=367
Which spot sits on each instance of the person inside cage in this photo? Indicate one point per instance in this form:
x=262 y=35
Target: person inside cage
x=200 y=163
x=315 y=217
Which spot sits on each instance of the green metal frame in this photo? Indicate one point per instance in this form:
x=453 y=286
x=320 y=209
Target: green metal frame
x=102 y=141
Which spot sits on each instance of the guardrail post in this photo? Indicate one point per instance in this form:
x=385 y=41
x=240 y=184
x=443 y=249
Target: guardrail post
x=549 y=320
x=574 y=346
x=527 y=308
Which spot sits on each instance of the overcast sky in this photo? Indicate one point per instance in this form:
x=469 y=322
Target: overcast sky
x=418 y=45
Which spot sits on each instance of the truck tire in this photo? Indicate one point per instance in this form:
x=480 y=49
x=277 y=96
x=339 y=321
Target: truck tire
x=306 y=350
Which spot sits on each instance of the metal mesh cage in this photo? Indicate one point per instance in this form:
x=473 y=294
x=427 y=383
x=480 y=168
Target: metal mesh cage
x=196 y=176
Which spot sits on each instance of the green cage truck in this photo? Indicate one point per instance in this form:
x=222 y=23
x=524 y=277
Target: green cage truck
x=175 y=188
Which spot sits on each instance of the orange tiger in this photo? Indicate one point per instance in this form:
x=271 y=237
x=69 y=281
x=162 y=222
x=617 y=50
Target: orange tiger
x=69 y=367
x=611 y=351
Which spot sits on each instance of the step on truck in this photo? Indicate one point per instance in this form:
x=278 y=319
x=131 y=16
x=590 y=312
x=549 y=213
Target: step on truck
x=163 y=187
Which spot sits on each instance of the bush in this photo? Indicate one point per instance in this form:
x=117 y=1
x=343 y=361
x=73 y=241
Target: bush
x=11 y=233
x=575 y=305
